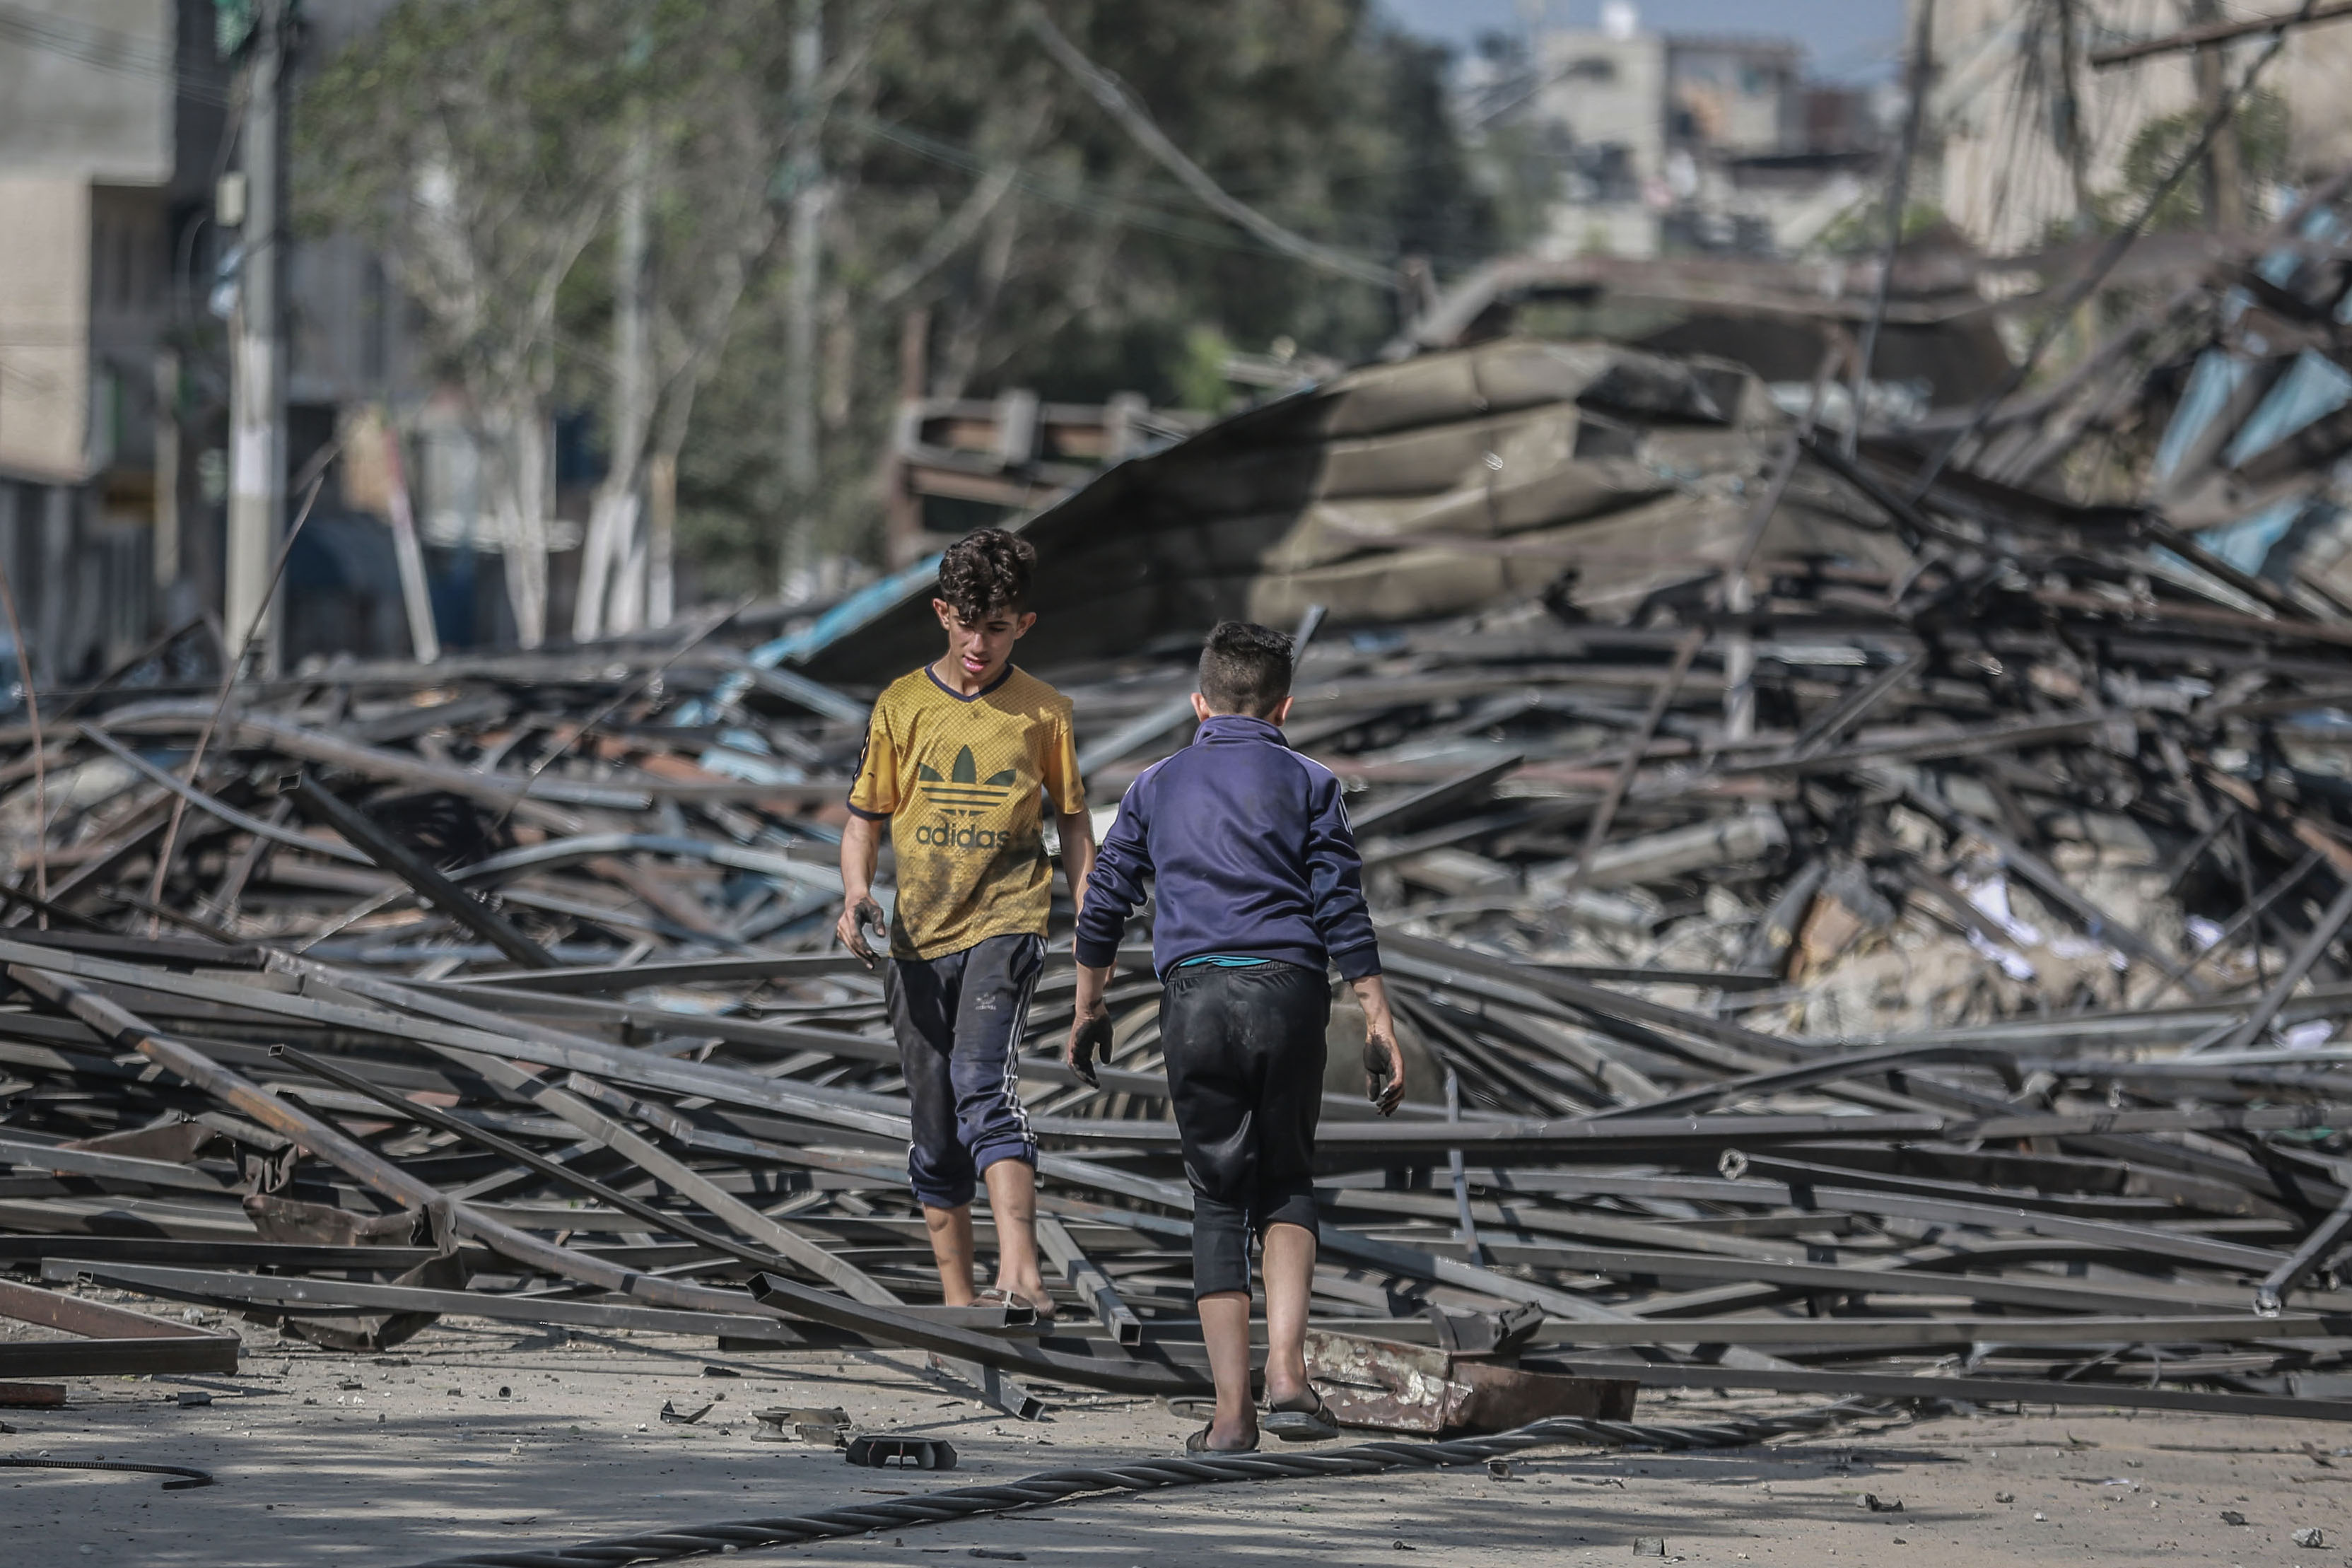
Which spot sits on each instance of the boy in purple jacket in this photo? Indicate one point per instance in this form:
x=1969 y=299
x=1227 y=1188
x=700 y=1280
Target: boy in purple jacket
x=1258 y=890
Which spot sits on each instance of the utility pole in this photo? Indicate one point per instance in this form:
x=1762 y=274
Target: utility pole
x=633 y=377
x=2225 y=198
x=2068 y=116
x=902 y=509
x=1898 y=193
x=803 y=246
x=257 y=489
x=661 y=540
x=609 y=554
x=166 y=556
x=415 y=596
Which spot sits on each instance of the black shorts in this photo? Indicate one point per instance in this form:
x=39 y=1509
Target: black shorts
x=1245 y=1049
x=958 y=1019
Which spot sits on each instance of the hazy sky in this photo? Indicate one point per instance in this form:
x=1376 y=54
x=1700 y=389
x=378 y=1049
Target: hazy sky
x=1843 y=39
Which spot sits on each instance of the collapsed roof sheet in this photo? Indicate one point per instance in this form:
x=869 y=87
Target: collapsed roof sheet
x=1402 y=492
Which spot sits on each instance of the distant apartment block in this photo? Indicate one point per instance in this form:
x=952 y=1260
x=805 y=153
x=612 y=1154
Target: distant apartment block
x=1671 y=141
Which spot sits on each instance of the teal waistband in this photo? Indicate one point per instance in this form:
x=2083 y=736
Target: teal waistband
x=1225 y=961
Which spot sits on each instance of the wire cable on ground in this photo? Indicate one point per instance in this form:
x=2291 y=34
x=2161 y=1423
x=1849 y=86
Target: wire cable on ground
x=191 y=1478
x=1150 y=1474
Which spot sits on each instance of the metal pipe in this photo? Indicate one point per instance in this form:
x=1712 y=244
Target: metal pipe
x=2326 y=1238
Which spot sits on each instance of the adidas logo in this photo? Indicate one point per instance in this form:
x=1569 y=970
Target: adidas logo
x=963 y=786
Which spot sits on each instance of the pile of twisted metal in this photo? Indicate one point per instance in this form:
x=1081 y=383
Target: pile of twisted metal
x=1864 y=925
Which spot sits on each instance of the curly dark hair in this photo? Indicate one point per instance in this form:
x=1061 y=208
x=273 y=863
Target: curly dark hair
x=1245 y=669
x=986 y=572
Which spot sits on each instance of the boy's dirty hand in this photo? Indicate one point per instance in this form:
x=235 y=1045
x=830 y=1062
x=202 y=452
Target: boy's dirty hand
x=1089 y=1042
x=1383 y=1070
x=856 y=916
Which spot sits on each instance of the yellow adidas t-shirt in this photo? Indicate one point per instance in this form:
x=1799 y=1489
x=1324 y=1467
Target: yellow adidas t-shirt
x=960 y=780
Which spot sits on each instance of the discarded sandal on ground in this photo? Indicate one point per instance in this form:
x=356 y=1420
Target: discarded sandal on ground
x=1293 y=1422
x=1198 y=1443
x=998 y=1296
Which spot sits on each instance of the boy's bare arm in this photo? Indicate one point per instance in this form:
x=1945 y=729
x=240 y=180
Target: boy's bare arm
x=1078 y=831
x=1379 y=1039
x=861 y=849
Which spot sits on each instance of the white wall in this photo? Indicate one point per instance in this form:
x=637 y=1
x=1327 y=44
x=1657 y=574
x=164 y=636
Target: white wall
x=2003 y=179
x=1620 y=97
x=85 y=88
x=44 y=325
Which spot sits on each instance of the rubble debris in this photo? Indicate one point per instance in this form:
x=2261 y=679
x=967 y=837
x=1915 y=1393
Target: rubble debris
x=790 y=1423
x=1439 y=1390
x=881 y=1451
x=100 y=1340
x=1441 y=485
x=1880 y=943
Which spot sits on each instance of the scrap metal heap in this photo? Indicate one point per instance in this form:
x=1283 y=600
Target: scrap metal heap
x=1853 y=937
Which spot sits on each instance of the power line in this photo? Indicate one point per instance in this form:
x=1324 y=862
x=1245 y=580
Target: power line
x=1898 y=193
x=97 y=46
x=1072 y=193
x=1113 y=96
x=124 y=52
x=1079 y=195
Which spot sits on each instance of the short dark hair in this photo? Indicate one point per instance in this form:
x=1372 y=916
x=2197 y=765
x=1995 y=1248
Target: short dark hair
x=986 y=572
x=1246 y=668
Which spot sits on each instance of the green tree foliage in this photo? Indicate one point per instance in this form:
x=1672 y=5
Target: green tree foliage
x=2262 y=132
x=1081 y=268
x=967 y=175
x=1861 y=229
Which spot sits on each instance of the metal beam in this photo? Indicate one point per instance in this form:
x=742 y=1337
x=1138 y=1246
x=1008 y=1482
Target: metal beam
x=1093 y=1285
x=1976 y=1390
x=420 y=874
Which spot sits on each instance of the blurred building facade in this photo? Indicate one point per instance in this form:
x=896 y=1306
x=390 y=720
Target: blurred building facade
x=2029 y=142
x=1681 y=142
x=118 y=267
x=111 y=115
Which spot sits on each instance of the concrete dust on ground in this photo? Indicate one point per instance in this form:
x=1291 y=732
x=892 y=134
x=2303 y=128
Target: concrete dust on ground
x=473 y=1436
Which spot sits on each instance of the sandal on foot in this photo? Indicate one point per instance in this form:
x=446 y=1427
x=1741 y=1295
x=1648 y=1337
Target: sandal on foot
x=1295 y=1423
x=998 y=1296
x=1198 y=1443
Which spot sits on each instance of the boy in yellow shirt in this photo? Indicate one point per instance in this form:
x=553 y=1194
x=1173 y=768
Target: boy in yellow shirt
x=960 y=758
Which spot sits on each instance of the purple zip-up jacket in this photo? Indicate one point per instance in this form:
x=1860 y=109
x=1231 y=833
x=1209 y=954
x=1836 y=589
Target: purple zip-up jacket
x=1248 y=845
